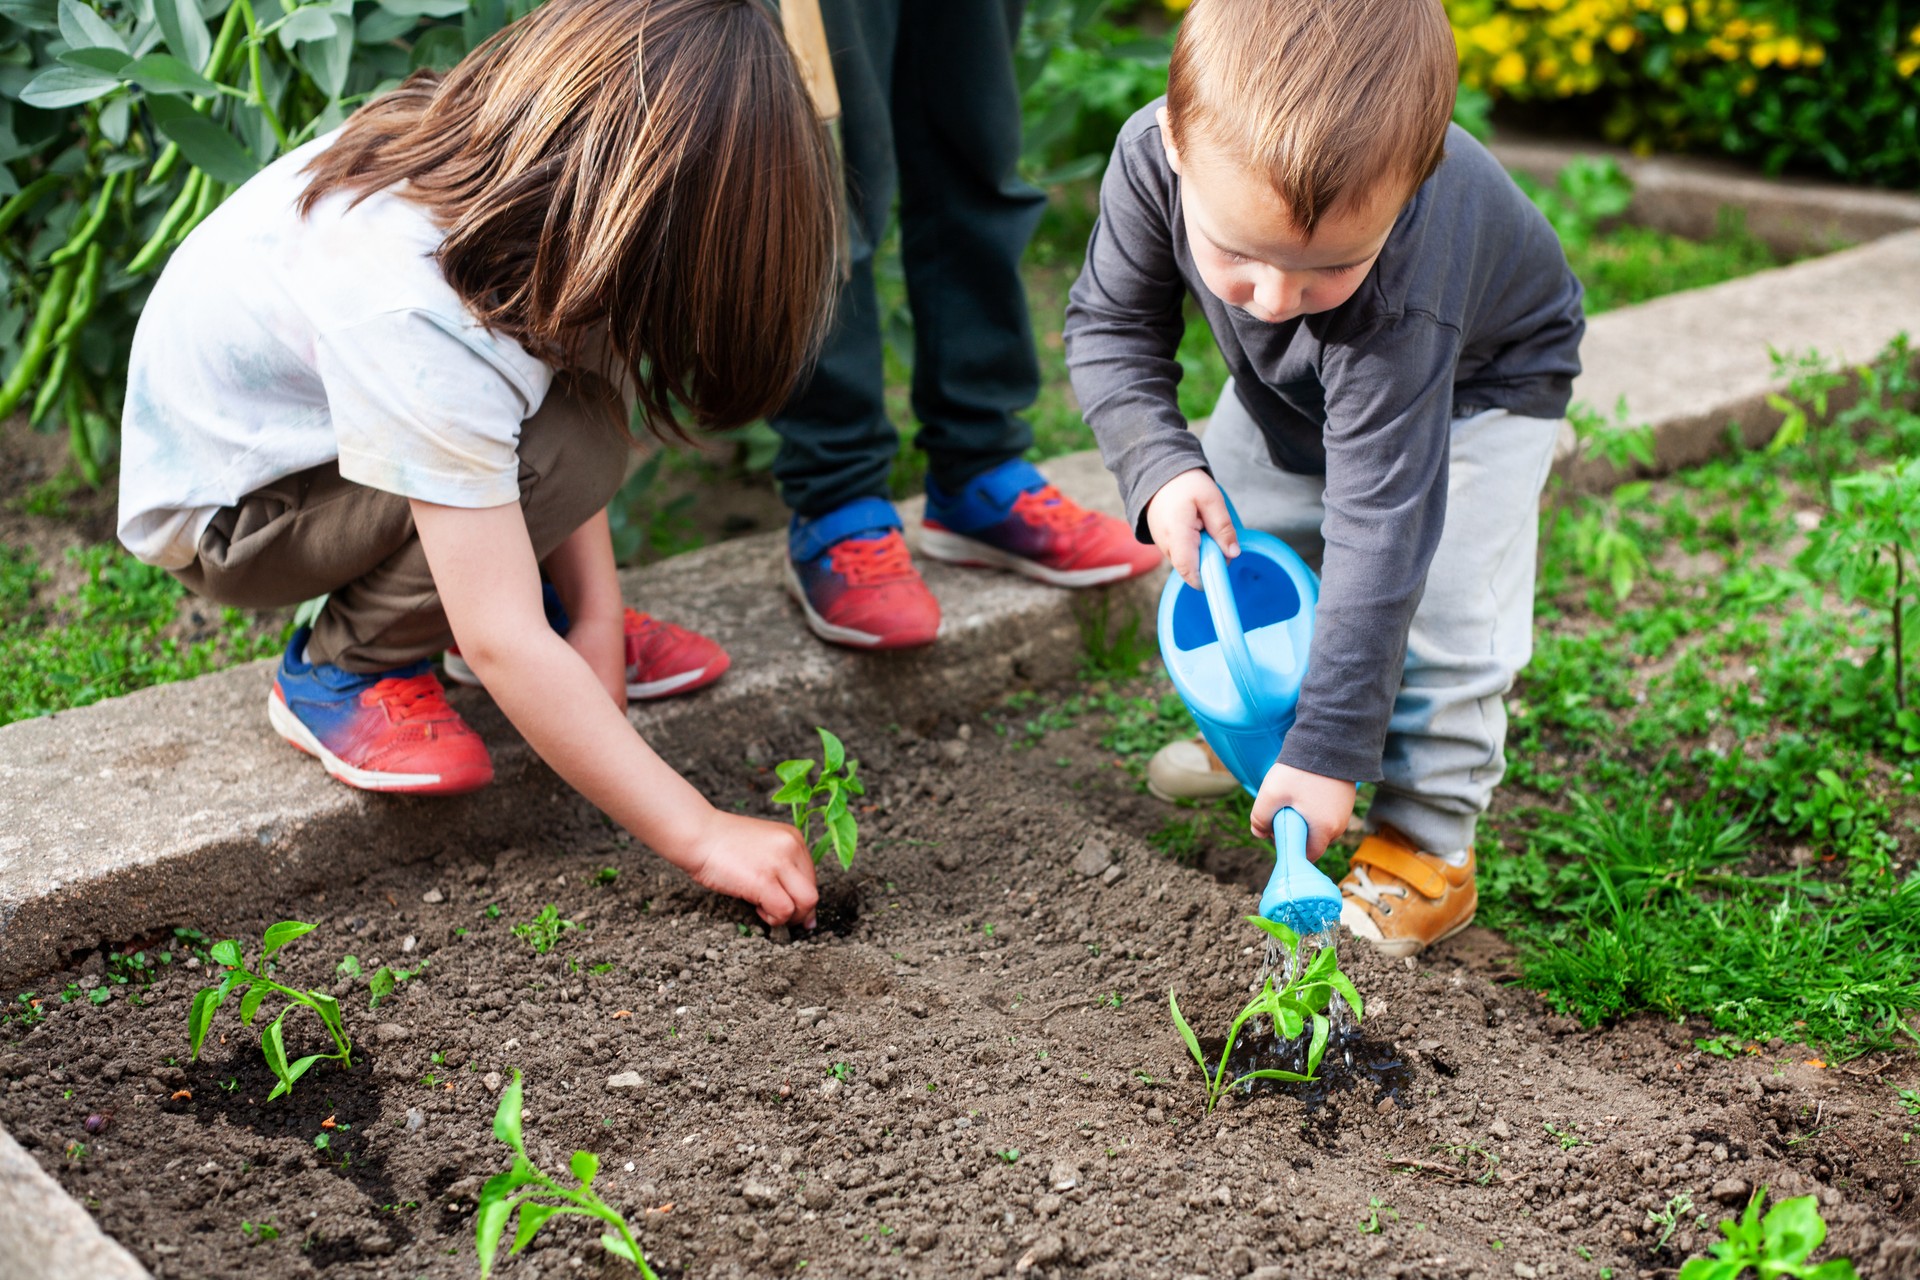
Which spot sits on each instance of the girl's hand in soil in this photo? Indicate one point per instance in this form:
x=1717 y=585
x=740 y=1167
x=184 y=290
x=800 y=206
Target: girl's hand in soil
x=765 y=863
x=1176 y=514
x=1326 y=803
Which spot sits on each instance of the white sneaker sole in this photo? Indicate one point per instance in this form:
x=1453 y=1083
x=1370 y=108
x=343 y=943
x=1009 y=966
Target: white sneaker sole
x=832 y=634
x=460 y=673
x=950 y=548
x=288 y=726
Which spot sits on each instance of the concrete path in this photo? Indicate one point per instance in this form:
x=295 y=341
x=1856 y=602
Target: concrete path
x=45 y=1235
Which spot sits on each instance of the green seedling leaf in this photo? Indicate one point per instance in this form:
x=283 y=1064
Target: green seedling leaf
x=1317 y=1048
x=533 y=1216
x=621 y=1249
x=273 y=1047
x=1278 y=932
x=200 y=1016
x=833 y=751
x=490 y=1219
x=1347 y=991
x=586 y=1166
x=1270 y=1073
x=380 y=986
x=303 y=1066
x=250 y=1003
x=1186 y=1032
x=226 y=953
x=506 y=1117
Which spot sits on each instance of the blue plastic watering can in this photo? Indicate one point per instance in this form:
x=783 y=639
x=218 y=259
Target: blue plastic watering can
x=1237 y=652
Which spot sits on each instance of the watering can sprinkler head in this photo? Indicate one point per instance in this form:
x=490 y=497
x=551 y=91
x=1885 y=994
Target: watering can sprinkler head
x=1237 y=653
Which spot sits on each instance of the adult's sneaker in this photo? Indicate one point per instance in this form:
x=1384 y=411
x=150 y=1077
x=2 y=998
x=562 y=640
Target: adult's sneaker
x=662 y=659
x=388 y=731
x=854 y=578
x=1012 y=517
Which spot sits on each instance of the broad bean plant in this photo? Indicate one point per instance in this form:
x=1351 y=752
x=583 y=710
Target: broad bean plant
x=124 y=123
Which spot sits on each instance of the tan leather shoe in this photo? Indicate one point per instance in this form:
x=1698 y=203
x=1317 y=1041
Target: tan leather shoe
x=1188 y=770
x=1403 y=900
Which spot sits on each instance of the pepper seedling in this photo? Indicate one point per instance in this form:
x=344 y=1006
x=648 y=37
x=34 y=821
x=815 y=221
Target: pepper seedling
x=525 y=1189
x=1301 y=1003
x=839 y=778
x=1776 y=1245
x=257 y=986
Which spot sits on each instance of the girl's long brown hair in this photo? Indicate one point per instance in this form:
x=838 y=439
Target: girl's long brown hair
x=653 y=166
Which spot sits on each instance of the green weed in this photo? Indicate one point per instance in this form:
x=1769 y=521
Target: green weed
x=543 y=930
x=1379 y=1213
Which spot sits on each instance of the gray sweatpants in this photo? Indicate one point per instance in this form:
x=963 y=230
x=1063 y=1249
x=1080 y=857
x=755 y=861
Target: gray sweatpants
x=1473 y=629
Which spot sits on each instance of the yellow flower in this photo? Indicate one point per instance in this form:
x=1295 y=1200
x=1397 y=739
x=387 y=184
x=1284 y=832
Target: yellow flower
x=1583 y=52
x=1907 y=63
x=1621 y=38
x=1815 y=55
x=1510 y=70
x=1789 y=51
x=1762 y=54
x=1675 y=18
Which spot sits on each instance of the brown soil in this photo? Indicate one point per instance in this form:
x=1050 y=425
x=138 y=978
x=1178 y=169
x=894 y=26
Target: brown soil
x=1013 y=1095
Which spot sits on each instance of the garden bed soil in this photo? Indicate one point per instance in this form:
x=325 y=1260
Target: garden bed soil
x=1013 y=1099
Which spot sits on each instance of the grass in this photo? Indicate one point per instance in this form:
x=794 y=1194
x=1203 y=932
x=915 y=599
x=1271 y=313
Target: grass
x=114 y=633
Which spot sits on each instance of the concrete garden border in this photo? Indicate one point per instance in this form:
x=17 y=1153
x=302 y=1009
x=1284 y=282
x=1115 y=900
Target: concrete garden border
x=127 y=816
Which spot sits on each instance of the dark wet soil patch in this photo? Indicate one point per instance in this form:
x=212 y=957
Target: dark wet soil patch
x=978 y=1077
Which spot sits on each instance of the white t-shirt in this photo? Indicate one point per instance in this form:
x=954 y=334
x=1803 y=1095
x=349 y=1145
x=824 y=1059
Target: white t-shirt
x=274 y=343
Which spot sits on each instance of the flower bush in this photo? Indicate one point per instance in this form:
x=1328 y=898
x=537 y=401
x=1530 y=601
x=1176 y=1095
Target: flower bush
x=1802 y=84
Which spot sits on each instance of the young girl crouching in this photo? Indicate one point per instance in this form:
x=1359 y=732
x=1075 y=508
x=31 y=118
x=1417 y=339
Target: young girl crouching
x=396 y=368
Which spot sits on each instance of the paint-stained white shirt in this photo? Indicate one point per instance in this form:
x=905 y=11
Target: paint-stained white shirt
x=273 y=343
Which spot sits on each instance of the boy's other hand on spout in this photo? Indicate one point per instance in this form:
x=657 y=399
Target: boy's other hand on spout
x=1326 y=803
x=766 y=863
x=1185 y=505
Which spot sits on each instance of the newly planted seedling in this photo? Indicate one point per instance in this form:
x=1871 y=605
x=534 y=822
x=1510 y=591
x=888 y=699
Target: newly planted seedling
x=825 y=799
x=1302 y=1003
x=257 y=987
x=543 y=930
x=1774 y=1246
x=537 y=1197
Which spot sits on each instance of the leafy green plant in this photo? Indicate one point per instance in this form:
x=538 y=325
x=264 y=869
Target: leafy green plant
x=255 y=987
x=1669 y=1218
x=1587 y=193
x=1868 y=550
x=1303 y=1002
x=536 y=1197
x=839 y=778
x=133 y=123
x=1775 y=1246
x=1379 y=1213
x=543 y=930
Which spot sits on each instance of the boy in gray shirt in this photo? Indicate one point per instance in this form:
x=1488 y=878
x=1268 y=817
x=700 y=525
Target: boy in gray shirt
x=1402 y=330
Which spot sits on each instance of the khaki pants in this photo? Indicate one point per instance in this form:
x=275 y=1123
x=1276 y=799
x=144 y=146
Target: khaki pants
x=314 y=533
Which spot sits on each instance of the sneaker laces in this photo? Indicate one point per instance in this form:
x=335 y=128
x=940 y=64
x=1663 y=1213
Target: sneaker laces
x=644 y=632
x=410 y=698
x=1048 y=507
x=866 y=562
x=1367 y=891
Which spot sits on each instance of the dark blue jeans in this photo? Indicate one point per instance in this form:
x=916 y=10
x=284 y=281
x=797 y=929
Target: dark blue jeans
x=930 y=109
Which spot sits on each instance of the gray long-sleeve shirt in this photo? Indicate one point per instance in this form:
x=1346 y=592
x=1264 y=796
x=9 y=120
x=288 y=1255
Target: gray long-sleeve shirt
x=1469 y=306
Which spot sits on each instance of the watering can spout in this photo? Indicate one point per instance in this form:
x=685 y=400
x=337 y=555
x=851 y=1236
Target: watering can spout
x=1298 y=894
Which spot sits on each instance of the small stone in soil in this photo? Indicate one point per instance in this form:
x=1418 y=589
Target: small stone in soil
x=1063 y=1176
x=759 y=1194
x=432 y=897
x=1499 y=1129
x=1112 y=874
x=1730 y=1191
x=416 y=1119
x=492 y=1081
x=1094 y=857
x=626 y=1080
x=390 y=1033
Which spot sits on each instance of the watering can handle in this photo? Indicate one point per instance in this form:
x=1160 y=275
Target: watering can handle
x=1226 y=618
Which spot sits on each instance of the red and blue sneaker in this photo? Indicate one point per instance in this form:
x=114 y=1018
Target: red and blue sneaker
x=1012 y=517
x=389 y=731
x=662 y=659
x=852 y=574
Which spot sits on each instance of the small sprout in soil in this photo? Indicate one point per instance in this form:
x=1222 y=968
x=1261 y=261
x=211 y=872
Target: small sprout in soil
x=1566 y=1137
x=257 y=988
x=385 y=979
x=493 y=911
x=1379 y=1213
x=1011 y=1155
x=606 y=875
x=543 y=930
x=1113 y=1000
x=605 y=966
x=259 y=1232
x=987 y=929
x=76 y=1151
x=1668 y=1219
x=1303 y=1002
x=1910 y=1099
x=840 y=1071
x=536 y=1197
x=349 y=967
x=839 y=778
x=1776 y=1245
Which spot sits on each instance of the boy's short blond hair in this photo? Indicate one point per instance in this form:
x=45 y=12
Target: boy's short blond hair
x=1328 y=98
